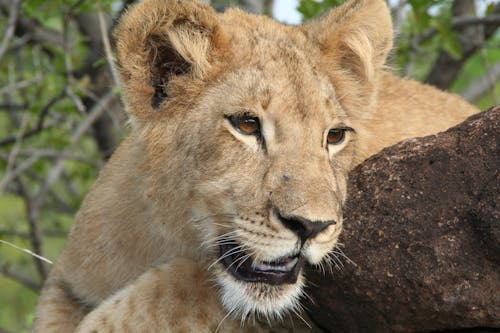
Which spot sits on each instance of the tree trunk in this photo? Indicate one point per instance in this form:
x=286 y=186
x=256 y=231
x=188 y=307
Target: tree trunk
x=422 y=228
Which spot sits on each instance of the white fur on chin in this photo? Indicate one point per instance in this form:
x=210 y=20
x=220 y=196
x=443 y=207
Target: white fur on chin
x=244 y=300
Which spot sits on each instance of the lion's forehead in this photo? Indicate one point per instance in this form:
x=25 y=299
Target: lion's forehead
x=253 y=28
x=267 y=43
x=280 y=72
x=285 y=93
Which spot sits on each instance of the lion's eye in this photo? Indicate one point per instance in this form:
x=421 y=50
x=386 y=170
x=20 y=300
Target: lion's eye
x=245 y=124
x=336 y=136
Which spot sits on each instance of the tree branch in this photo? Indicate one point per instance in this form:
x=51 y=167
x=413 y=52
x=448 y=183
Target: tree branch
x=398 y=13
x=13 y=107
x=19 y=85
x=33 y=214
x=94 y=27
x=34 y=205
x=482 y=85
x=19 y=277
x=23 y=234
x=458 y=22
x=54 y=153
x=107 y=47
x=11 y=26
x=471 y=38
x=40 y=124
x=11 y=160
x=34 y=29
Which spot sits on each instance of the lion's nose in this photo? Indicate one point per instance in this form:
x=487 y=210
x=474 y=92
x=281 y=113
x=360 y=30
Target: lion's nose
x=302 y=227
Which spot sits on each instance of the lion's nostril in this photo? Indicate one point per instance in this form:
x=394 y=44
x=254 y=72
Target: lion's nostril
x=303 y=227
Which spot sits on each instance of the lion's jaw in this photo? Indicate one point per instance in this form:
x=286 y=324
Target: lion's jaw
x=245 y=299
x=271 y=299
x=258 y=266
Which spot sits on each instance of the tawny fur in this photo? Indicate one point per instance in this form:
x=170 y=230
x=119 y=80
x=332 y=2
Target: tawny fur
x=141 y=255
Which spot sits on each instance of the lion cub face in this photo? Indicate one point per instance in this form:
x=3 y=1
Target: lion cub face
x=272 y=181
x=253 y=126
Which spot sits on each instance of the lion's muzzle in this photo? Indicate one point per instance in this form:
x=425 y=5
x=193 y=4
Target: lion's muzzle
x=242 y=265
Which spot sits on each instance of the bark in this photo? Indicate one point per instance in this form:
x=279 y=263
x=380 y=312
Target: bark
x=422 y=226
x=471 y=38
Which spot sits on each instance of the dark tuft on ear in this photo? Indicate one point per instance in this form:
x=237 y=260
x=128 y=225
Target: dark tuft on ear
x=166 y=63
x=161 y=44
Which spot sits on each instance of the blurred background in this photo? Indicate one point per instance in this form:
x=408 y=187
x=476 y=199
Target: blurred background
x=61 y=115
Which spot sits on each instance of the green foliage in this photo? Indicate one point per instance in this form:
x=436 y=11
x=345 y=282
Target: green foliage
x=52 y=13
x=424 y=16
x=38 y=85
x=474 y=69
x=312 y=8
x=17 y=306
x=17 y=303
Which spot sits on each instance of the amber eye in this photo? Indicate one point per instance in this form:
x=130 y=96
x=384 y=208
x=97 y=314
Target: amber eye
x=245 y=124
x=335 y=136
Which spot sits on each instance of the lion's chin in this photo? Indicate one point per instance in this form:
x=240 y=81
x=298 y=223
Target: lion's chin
x=261 y=288
x=244 y=299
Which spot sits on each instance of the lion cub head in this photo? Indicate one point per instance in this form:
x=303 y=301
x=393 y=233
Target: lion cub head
x=248 y=129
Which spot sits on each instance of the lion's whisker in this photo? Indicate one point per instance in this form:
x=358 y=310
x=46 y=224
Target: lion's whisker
x=215 y=241
x=338 y=250
x=233 y=251
x=296 y=312
x=243 y=259
x=225 y=317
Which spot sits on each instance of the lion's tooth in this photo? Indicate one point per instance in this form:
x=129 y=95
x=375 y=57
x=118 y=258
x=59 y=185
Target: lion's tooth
x=280 y=268
x=264 y=267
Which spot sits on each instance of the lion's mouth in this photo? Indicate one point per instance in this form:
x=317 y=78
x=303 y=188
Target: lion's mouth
x=238 y=263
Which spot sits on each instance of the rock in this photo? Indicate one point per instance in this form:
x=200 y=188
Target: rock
x=422 y=232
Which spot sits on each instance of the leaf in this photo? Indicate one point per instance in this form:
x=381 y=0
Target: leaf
x=490 y=8
x=311 y=8
x=452 y=46
x=448 y=37
x=420 y=12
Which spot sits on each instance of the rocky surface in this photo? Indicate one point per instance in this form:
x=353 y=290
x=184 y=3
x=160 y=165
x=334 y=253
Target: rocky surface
x=422 y=228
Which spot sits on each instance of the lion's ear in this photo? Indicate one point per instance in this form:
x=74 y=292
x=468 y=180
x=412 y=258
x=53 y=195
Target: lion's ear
x=159 y=41
x=357 y=36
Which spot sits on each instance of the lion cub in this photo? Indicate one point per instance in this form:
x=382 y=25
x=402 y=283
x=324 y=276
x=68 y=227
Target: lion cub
x=234 y=175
